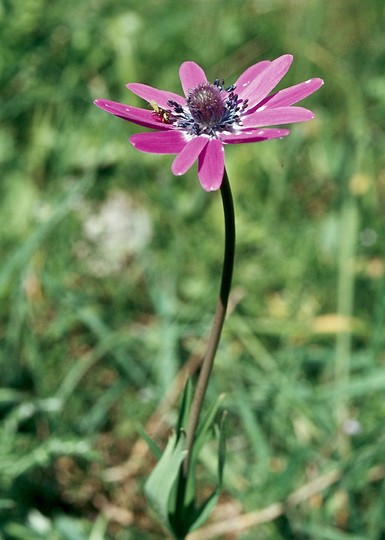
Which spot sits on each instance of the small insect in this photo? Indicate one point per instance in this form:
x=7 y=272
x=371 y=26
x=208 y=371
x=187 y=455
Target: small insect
x=163 y=114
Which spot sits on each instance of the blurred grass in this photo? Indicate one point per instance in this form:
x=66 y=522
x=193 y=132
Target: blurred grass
x=92 y=336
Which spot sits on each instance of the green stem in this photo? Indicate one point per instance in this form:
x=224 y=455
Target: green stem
x=220 y=313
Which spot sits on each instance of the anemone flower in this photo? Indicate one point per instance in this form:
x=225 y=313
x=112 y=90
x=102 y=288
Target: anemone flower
x=209 y=115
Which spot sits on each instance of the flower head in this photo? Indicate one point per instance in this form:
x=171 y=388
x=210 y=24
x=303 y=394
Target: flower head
x=209 y=115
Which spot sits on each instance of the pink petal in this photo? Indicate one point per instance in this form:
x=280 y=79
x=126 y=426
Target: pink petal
x=189 y=154
x=142 y=117
x=254 y=135
x=249 y=75
x=191 y=75
x=277 y=115
x=159 y=142
x=153 y=94
x=211 y=164
x=266 y=80
x=293 y=94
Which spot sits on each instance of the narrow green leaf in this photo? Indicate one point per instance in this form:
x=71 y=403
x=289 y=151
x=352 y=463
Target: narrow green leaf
x=222 y=449
x=204 y=511
x=156 y=451
x=205 y=427
x=185 y=405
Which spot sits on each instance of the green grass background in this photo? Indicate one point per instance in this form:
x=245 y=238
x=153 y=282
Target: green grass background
x=89 y=348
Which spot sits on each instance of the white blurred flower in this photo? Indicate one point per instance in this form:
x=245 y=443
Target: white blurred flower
x=115 y=232
x=368 y=237
x=352 y=427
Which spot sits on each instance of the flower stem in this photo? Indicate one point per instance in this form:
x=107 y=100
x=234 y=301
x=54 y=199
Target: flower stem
x=220 y=313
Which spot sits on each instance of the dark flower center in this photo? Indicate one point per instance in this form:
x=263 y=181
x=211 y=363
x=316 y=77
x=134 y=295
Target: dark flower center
x=206 y=104
x=210 y=110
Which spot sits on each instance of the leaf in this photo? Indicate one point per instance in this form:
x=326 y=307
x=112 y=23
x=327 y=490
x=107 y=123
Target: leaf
x=203 y=512
x=159 y=486
x=205 y=427
x=171 y=494
x=156 y=451
x=203 y=434
x=184 y=409
x=222 y=448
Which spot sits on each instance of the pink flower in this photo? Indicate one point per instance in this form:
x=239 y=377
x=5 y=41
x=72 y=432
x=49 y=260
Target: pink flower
x=197 y=125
